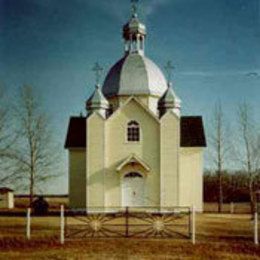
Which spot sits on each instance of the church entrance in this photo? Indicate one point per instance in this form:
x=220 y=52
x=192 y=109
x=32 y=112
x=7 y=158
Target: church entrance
x=133 y=190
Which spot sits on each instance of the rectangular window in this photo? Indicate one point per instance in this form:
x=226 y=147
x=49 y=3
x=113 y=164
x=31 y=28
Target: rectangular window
x=133 y=132
x=133 y=135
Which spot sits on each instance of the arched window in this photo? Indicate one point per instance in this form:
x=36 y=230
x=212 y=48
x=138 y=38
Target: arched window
x=133 y=175
x=133 y=132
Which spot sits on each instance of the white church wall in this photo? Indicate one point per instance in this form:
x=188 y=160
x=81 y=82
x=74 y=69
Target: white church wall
x=77 y=178
x=170 y=138
x=7 y=200
x=10 y=200
x=118 y=149
x=191 y=177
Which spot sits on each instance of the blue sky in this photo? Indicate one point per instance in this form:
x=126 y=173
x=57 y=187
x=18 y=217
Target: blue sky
x=53 y=44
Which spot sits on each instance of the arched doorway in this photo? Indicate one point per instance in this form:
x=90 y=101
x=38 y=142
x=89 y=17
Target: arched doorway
x=133 y=190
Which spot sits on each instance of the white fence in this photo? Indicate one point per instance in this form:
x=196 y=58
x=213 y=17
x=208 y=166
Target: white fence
x=192 y=225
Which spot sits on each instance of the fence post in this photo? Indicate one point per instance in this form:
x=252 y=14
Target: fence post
x=28 y=224
x=126 y=221
x=256 y=228
x=190 y=222
x=62 y=224
x=193 y=234
x=231 y=207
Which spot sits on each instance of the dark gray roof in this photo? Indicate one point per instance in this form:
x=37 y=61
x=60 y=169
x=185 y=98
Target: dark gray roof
x=76 y=135
x=192 y=132
x=5 y=190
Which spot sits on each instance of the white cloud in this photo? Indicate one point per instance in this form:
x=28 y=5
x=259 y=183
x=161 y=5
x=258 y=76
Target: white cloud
x=121 y=10
x=152 y=5
x=220 y=73
x=116 y=8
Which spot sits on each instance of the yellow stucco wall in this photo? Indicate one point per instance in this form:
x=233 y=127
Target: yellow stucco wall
x=150 y=101
x=95 y=161
x=170 y=139
x=191 y=177
x=118 y=149
x=77 y=178
x=153 y=104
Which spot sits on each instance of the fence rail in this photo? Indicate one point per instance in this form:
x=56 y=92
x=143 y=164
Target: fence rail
x=128 y=222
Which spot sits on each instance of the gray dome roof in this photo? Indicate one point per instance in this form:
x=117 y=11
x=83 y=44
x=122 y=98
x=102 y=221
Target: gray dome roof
x=134 y=75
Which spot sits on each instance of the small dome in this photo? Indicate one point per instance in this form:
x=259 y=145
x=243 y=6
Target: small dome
x=169 y=99
x=133 y=27
x=134 y=75
x=97 y=100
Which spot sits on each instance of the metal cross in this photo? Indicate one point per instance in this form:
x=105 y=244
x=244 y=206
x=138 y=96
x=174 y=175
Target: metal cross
x=169 y=70
x=98 y=72
x=134 y=7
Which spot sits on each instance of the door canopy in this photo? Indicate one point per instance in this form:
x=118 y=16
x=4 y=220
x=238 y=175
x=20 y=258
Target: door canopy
x=133 y=161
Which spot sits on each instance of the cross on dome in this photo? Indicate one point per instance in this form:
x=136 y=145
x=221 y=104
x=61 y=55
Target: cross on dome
x=134 y=7
x=169 y=70
x=98 y=72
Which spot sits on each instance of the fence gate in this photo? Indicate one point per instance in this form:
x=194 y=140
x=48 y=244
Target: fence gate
x=128 y=222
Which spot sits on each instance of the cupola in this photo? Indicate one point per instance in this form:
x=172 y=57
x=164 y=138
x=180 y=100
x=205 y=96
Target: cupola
x=97 y=103
x=134 y=33
x=169 y=101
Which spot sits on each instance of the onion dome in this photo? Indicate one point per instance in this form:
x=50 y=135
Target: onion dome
x=97 y=102
x=134 y=74
x=169 y=101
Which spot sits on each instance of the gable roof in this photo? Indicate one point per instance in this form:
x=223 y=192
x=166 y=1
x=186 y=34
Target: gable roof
x=192 y=132
x=133 y=159
x=4 y=190
x=76 y=135
x=133 y=98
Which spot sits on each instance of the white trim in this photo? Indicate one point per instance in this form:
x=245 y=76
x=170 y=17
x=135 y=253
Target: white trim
x=104 y=164
x=170 y=112
x=95 y=113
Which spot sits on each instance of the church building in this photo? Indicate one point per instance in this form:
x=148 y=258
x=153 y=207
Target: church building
x=134 y=148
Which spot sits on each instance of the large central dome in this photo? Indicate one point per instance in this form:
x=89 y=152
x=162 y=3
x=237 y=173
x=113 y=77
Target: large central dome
x=134 y=74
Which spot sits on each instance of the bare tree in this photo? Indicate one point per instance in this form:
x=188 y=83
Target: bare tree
x=249 y=149
x=219 y=147
x=3 y=111
x=3 y=136
x=33 y=153
x=6 y=140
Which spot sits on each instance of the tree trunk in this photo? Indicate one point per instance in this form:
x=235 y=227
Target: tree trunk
x=251 y=196
x=31 y=187
x=220 y=192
